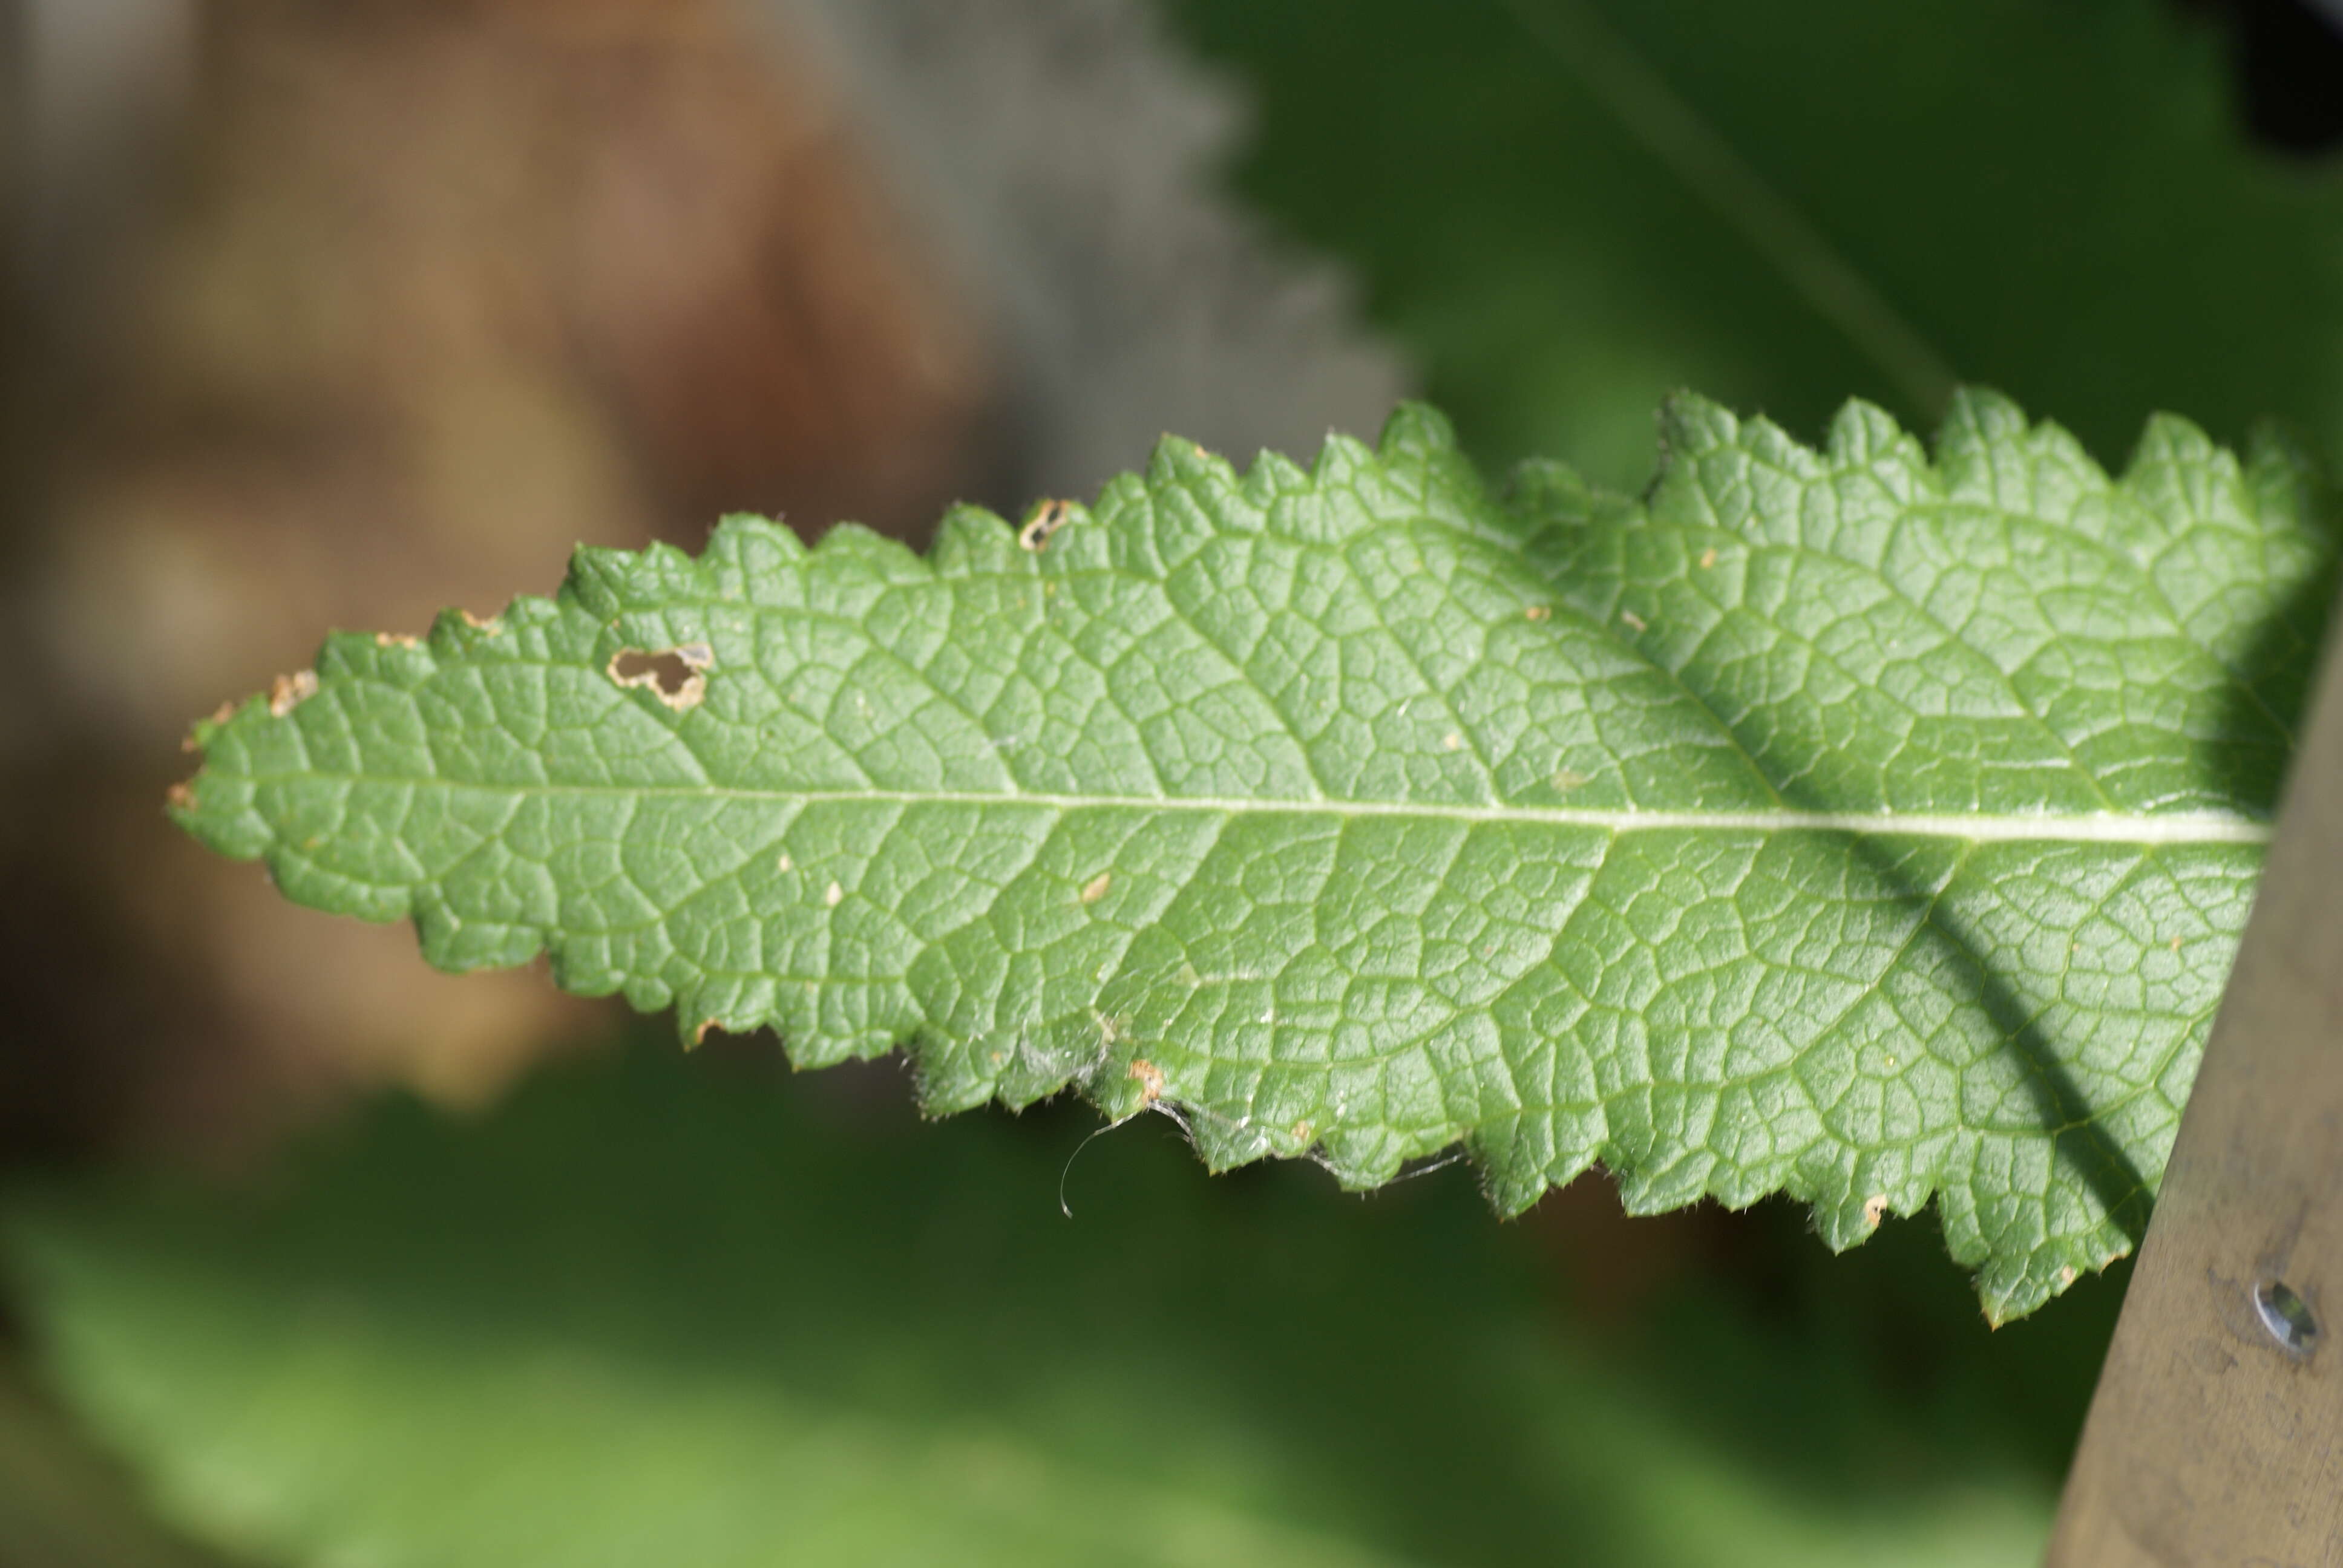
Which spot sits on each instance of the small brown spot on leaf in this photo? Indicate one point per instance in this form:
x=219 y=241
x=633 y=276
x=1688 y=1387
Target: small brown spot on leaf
x=677 y=677
x=1150 y=1079
x=1302 y=1130
x=1095 y=888
x=396 y=639
x=1708 y=558
x=1047 y=519
x=491 y=626
x=1634 y=622
x=785 y=863
x=2066 y=1276
x=1874 y=1208
x=1454 y=741
x=1568 y=779
x=699 y=1034
x=2176 y=944
x=181 y=796
x=1537 y=612
x=287 y=692
x=833 y=895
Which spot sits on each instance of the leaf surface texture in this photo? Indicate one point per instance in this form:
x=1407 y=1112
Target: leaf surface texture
x=1839 y=822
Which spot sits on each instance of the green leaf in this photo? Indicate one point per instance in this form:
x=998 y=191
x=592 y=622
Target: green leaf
x=1835 y=823
x=652 y=1313
x=1564 y=209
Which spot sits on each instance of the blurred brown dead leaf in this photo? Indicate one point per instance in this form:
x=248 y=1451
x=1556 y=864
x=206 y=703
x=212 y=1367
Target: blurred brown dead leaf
x=441 y=290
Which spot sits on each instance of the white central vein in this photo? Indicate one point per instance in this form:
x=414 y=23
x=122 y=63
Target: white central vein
x=2194 y=827
x=2100 y=828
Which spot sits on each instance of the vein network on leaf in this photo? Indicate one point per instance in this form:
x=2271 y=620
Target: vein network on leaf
x=1842 y=822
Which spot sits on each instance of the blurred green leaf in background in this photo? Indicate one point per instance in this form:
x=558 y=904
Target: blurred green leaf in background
x=688 y=1312
x=1563 y=210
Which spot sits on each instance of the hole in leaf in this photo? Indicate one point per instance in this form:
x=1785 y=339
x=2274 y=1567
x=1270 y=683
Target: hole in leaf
x=2287 y=1316
x=1047 y=519
x=676 y=676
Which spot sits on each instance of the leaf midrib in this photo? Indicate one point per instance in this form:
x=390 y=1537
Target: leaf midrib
x=2179 y=828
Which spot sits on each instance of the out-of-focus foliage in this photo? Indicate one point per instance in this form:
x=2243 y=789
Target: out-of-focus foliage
x=1566 y=208
x=654 y=1311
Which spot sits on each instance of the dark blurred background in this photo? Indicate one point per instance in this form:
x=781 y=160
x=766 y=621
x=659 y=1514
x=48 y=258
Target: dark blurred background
x=330 y=313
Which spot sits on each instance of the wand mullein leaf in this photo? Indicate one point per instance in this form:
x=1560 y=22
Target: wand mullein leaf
x=1840 y=822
